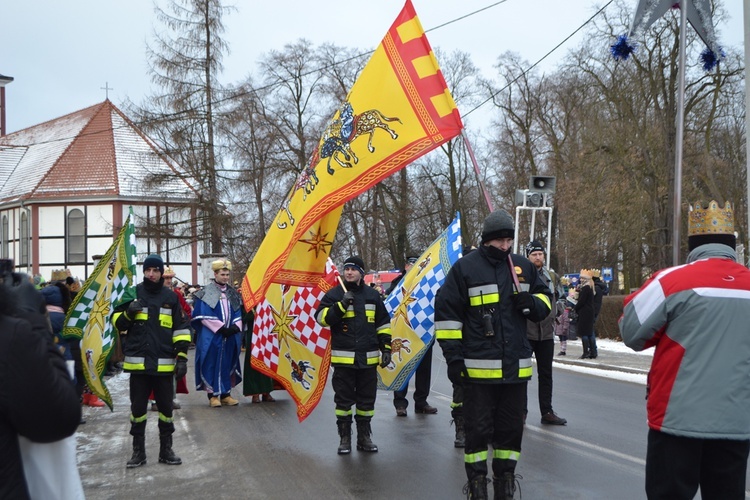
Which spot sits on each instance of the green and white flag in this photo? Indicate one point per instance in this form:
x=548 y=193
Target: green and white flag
x=89 y=316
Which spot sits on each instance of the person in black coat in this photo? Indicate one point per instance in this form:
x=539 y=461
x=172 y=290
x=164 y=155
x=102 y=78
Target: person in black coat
x=600 y=290
x=585 y=310
x=360 y=339
x=38 y=399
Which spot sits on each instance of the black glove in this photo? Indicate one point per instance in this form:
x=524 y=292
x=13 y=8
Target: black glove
x=180 y=368
x=523 y=302
x=385 y=359
x=455 y=369
x=348 y=299
x=134 y=308
x=230 y=330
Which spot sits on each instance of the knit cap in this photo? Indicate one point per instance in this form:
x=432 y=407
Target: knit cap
x=499 y=224
x=154 y=260
x=356 y=262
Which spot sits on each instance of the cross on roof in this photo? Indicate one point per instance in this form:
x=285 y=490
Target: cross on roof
x=106 y=89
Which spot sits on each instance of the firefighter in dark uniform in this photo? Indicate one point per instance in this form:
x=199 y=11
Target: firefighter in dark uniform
x=360 y=339
x=480 y=323
x=155 y=344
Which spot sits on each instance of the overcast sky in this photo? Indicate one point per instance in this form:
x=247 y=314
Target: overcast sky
x=61 y=53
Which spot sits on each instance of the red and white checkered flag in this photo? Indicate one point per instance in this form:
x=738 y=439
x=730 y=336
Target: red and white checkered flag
x=265 y=343
x=294 y=308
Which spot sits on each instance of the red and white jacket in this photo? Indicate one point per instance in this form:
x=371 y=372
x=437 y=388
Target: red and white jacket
x=698 y=317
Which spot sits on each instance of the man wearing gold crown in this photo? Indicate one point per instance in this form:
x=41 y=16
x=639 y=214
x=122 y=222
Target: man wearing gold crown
x=696 y=316
x=217 y=319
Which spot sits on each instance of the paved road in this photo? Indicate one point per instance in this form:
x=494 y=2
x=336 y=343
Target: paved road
x=260 y=451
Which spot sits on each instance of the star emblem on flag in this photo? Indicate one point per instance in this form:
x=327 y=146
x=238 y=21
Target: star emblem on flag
x=317 y=242
x=401 y=311
x=282 y=327
x=100 y=311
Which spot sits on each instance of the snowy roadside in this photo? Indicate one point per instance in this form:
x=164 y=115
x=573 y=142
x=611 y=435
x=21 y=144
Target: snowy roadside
x=613 y=354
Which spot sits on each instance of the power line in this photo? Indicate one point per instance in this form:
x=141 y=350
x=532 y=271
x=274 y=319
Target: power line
x=465 y=16
x=492 y=96
x=237 y=95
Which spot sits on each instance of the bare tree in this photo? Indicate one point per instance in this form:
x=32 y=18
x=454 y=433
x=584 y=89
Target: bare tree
x=606 y=130
x=185 y=63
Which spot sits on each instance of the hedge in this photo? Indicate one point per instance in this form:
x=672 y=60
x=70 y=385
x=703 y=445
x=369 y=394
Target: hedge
x=606 y=324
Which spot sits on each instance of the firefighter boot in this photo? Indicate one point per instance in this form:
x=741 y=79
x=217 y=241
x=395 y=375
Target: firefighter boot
x=476 y=488
x=460 y=440
x=504 y=486
x=585 y=342
x=364 y=442
x=345 y=431
x=166 y=455
x=139 y=452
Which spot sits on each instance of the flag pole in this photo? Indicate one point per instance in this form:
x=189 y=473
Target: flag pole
x=338 y=276
x=680 y=123
x=476 y=170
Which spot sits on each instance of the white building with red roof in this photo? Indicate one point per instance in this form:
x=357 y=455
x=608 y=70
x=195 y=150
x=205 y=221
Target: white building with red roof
x=67 y=185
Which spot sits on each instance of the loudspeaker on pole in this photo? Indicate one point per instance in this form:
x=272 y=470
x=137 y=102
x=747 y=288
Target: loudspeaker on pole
x=542 y=184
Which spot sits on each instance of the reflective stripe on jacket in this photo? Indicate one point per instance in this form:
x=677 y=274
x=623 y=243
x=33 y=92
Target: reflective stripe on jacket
x=156 y=336
x=358 y=333
x=476 y=322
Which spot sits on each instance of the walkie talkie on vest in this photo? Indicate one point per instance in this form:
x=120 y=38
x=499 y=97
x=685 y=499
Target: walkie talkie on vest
x=489 y=331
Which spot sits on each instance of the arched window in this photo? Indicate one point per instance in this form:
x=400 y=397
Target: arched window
x=76 y=237
x=24 y=234
x=4 y=237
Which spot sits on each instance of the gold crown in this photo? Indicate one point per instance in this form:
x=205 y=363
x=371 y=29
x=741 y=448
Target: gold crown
x=60 y=274
x=589 y=273
x=220 y=264
x=168 y=272
x=597 y=273
x=713 y=219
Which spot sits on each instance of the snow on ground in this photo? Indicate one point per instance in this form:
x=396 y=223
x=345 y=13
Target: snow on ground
x=621 y=353
x=620 y=347
x=637 y=378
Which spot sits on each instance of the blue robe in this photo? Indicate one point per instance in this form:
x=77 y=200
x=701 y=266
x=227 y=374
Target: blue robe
x=217 y=358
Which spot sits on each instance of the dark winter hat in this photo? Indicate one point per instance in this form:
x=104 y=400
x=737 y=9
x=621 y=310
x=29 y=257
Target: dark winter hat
x=711 y=223
x=534 y=246
x=499 y=224
x=154 y=260
x=356 y=262
x=412 y=259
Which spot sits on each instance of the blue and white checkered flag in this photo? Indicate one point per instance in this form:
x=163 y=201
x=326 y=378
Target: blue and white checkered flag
x=411 y=305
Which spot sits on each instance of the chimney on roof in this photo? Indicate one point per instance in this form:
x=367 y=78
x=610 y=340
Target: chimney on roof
x=4 y=80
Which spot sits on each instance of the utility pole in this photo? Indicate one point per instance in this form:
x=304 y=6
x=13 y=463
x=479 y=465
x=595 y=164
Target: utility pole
x=747 y=116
